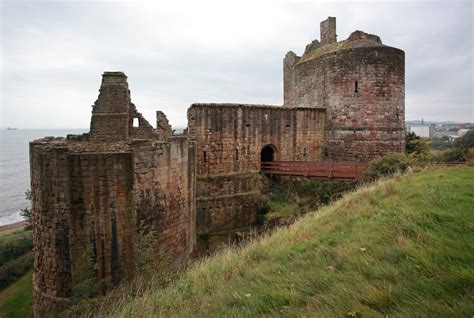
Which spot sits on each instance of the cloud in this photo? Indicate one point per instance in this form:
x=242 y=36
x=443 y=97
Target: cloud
x=174 y=54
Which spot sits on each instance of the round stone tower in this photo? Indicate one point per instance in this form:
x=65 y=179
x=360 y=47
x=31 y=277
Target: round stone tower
x=360 y=82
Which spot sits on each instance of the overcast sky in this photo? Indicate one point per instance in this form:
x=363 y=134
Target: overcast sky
x=176 y=53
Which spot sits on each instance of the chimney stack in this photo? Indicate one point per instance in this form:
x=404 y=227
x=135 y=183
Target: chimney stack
x=328 y=31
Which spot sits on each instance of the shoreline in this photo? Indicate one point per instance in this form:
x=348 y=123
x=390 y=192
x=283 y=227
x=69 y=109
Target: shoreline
x=12 y=226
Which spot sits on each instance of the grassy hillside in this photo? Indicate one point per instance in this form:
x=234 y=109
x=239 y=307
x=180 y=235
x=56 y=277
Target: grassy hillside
x=15 y=272
x=404 y=247
x=15 y=300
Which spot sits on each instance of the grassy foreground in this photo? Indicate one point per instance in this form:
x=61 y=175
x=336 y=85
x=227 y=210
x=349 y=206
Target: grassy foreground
x=15 y=300
x=403 y=247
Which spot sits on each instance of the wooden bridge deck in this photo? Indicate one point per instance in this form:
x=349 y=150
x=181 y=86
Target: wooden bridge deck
x=324 y=170
x=314 y=169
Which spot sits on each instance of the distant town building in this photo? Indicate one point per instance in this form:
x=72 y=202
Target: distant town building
x=426 y=131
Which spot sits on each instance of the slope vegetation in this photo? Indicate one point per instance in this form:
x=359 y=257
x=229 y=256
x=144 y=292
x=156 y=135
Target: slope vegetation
x=403 y=248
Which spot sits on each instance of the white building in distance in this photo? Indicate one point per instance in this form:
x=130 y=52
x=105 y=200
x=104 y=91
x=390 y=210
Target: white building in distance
x=425 y=131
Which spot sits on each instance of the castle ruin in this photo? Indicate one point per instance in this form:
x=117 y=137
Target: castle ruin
x=343 y=101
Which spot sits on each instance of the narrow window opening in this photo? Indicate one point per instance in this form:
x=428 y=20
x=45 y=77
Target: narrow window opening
x=236 y=154
x=136 y=122
x=356 y=88
x=304 y=152
x=204 y=156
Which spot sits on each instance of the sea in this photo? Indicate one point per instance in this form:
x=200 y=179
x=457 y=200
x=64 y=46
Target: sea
x=15 y=168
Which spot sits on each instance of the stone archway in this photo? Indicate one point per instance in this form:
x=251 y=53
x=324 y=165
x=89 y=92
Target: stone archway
x=268 y=153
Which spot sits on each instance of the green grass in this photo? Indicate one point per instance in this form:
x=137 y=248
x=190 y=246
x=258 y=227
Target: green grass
x=402 y=248
x=15 y=255
x=14 y=243
x=15 y=300
x=282 y=209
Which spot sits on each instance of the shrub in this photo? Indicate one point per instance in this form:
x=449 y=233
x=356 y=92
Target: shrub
x=27 y=213
x=452 y=155
x=11 y=271
x=15 y=246
x=388 y=165
x=86 y=284
x=263 y=208
x=314 y=193
x=466 y=141
x=440 y=143
x=294 y=197
x=414 y=144
x=151 y=265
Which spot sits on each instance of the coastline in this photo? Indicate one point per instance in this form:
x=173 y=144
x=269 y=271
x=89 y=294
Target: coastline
x=12 y=226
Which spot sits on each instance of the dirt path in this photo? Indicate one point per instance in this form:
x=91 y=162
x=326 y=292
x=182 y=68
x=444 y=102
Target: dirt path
x=12 y=226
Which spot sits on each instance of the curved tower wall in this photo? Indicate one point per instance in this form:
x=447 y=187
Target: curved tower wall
x=361 y=84
x=363 y=92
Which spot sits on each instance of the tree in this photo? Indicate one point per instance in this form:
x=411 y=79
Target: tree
x=417 y=148
x=466 y=141
x=415 y=144
x=440 y=143
x=27 y=213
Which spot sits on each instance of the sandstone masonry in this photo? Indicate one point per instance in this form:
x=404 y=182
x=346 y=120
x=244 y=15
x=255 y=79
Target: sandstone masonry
x=361 y=84
x=93 y=193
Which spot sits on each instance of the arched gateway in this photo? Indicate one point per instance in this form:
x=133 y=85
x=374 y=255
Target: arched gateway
x=268 y=153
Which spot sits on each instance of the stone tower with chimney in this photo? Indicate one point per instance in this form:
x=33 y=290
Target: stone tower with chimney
x=361 y=84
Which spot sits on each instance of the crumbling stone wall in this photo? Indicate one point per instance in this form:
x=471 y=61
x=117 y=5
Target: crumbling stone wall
x=93 y=194
x=229 y=141
x=114 y=114
x=162 y=126
x=361 y=84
